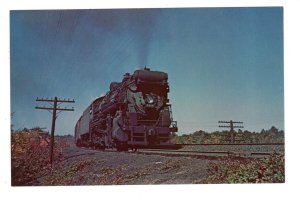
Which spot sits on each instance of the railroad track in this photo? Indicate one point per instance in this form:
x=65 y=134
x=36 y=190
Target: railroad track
x=205 y=154
x=215 y=151
x=235 y=144
x=220 y=150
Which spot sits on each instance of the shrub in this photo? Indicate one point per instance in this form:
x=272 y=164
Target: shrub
x=267 y=170
x=30 y=152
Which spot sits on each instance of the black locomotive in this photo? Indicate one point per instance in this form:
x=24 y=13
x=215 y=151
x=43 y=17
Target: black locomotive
x=135 y=113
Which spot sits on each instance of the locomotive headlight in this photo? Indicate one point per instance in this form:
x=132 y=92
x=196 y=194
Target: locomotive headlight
x=150 y=99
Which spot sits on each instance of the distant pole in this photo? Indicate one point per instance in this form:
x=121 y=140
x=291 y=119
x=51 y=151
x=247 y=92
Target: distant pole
x=231 y=132
x=231 y=126
x=54 y=109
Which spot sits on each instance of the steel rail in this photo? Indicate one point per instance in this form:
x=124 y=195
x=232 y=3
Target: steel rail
x=241 y=144
x=205 y=153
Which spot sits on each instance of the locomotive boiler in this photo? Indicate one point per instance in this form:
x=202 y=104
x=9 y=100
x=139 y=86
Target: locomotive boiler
x=134 y=113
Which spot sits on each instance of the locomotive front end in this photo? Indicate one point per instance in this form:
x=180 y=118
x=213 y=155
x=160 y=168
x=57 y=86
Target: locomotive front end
x=149 y=116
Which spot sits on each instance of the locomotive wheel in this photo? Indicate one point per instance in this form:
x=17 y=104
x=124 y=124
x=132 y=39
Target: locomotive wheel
x=78 y=143
x=122 y=146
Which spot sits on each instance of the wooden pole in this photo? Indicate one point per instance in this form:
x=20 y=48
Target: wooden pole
x=54 y=109
x=53 y=129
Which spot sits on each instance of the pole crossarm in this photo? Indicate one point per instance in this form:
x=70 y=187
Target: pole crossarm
x=230 y=122
x=63 y=109
x=58 y=100
x=238 y=127
x=225 y=126
x=65 y=101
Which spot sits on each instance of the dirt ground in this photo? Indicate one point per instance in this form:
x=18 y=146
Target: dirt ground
x=80 y=166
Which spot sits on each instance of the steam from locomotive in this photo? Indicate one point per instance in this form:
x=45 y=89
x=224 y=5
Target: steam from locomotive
x=135 y=113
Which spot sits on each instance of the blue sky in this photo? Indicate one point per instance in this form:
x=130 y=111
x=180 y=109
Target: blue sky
x=223 y=63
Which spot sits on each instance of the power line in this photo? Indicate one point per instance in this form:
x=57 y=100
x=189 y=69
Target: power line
x=230 y=124
x=54 y=115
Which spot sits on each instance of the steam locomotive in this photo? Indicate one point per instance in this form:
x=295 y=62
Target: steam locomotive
x=135 y=113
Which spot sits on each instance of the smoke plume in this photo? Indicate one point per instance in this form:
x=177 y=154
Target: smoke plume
x=139 y=24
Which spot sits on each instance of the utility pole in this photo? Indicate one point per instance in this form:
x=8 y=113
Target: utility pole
x=55 y=102
x=231 y=126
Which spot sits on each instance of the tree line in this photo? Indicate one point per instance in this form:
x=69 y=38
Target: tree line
x=272 y=135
